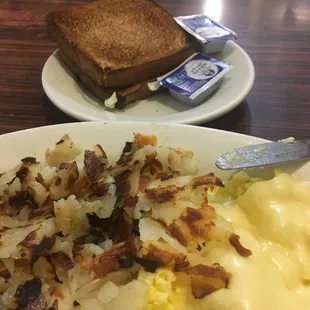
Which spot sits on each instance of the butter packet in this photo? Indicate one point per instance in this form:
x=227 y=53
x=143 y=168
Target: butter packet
x=195 y=79
x=211 y=35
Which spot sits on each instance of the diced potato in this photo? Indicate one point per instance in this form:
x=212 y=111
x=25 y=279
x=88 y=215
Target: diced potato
x=39 y=192
x=66 y=175
x=14 y=187
x=12 y=237
x=65 y=150
x=107 y=292
x=7 y=177
x=91 y=249
x=102 y=206
x=77 y=278
x=70 y=218
x=135 y=295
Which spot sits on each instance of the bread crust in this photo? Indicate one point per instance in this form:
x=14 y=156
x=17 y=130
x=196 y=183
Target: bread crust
x=124 y=96
x=120 y=43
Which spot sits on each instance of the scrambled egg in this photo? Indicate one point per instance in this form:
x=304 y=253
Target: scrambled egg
x=165 y=292
x=237 y=186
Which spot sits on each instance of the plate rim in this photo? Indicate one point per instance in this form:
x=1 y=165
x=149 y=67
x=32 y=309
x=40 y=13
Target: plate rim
x=81 y=130
x=129 y=123
x=191 y=120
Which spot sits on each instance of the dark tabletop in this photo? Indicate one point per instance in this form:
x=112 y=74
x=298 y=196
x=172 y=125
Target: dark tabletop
x=275 y=33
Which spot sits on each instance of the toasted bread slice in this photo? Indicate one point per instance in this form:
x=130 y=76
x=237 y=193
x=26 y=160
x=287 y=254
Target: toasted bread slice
x=120 y=43
x=124 y=96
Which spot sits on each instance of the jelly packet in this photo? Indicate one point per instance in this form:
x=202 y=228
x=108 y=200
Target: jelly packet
x=195 y=79
x=211 y=35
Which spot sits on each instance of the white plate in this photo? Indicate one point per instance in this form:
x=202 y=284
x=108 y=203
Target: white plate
x=70 y=95
x=207 y=144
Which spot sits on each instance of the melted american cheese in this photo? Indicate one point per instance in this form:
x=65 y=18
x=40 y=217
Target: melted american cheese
x=273 y=220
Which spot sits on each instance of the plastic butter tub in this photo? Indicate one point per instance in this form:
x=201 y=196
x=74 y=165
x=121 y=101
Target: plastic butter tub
x=211 y=35
x=195 y=79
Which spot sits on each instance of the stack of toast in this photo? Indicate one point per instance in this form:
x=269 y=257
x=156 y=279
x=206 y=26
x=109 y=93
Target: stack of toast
x=119 y=47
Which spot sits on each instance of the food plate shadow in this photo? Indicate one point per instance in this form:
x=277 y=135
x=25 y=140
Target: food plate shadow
x=238 y=120
x=52 y=114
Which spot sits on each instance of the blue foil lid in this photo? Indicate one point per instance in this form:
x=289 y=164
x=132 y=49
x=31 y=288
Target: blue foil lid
x=195 y=75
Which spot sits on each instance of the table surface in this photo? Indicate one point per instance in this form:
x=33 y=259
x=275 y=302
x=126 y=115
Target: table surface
x=274 y=33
